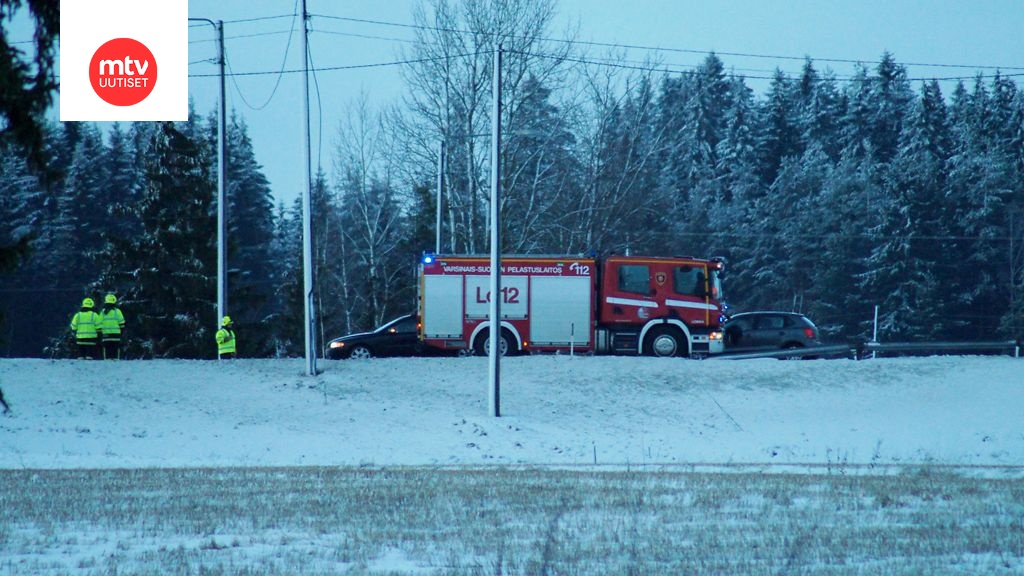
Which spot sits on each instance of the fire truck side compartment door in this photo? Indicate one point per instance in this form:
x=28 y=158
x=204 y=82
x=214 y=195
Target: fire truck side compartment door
x=560 y=310
x=514 y=293
x=442 y=306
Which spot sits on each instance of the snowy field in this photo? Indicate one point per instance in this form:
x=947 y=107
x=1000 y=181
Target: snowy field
x=556 y=410
x=598 y=465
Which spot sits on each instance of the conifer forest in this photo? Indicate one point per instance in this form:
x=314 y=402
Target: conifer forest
x=826 y=195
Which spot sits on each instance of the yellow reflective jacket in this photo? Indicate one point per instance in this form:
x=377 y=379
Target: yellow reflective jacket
x=225 y=341
x=111 y=324
x=86 y=325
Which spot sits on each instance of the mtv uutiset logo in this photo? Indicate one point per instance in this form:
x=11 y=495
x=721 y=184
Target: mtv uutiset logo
x=123 y=60
x=123 y=72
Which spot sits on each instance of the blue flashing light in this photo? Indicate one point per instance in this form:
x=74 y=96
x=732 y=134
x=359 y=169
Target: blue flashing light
x=428 y=257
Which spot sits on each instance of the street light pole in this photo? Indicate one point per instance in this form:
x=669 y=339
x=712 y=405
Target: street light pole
x=494 y=371
x=222 y=176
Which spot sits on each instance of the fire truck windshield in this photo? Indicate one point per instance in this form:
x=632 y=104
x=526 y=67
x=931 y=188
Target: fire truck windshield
x=715 y=285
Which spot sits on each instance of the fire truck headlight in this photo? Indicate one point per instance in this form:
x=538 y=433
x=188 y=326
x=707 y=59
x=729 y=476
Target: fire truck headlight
x=716 y=335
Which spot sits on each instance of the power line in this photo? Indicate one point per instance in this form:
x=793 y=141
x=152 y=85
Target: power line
x=665 y=49
x=280 y=73
x=366 y=36
x=651 y=68
x=260 y=18
x=349 y=67
x=320 y=112
x=671 y=68
x=622 y=64
x=680 y=68
x=780 y=57
x=241 y=36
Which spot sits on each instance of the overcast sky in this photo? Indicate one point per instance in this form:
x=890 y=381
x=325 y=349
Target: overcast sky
x=772 y=34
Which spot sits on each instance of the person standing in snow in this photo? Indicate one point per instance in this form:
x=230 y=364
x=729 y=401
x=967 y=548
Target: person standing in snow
x=86 y=326
x=225 y=337
x=111 y=325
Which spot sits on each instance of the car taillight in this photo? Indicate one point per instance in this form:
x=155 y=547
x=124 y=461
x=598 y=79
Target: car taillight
x=809 y=332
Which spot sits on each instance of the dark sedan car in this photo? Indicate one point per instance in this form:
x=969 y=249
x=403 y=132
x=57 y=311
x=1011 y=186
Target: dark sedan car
x=759 y=331
x=398 y=337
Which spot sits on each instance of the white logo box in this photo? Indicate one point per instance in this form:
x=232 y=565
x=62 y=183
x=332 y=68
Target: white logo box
x=162 y=25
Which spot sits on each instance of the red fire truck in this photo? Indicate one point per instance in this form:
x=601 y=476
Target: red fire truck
x=616 y=305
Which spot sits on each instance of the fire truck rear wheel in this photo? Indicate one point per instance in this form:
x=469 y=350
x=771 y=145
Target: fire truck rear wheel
x=483 y=341
x=665 y=342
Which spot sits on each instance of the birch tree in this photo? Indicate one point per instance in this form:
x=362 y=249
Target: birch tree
x=449 y=97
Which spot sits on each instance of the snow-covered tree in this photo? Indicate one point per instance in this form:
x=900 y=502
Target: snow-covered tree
x=250 y=233
x=904 y=268
x=167 y=275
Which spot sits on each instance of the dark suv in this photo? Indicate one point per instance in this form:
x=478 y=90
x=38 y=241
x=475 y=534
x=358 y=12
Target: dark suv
x=758 y=331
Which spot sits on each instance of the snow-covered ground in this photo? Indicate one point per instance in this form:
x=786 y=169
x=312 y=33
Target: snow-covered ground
x=556 y=410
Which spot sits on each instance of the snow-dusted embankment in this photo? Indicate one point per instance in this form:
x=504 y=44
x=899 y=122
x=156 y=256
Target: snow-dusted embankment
x=556 y=410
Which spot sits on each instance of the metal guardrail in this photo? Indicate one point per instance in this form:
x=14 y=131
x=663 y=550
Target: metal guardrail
x=836 y=351
x=1012 y=346
x=866 y=349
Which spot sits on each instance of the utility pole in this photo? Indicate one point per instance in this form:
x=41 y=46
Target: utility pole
x=307 y=212
x=494 y=366
x=1016 y=272
x=440 y=196
x=222 y=176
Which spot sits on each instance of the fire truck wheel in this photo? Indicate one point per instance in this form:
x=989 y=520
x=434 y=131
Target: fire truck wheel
x=482 y=346
x=664 y=342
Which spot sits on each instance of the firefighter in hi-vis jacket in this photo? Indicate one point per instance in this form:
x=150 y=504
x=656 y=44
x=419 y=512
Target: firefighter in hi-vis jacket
x=112 y=327
x=226 y=339
x=86 y=326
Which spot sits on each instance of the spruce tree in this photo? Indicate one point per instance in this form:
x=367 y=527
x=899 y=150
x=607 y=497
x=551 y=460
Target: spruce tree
x=539 y=172
x=250 y=235
x=904 y=273
x=782 y=131
x=981 y=186
x=820 y=111
x=21 y=205
x=168 y=273
x=737 y=182
x=123 y=186
x=890 y=96
x=27 y=83
x=288 y=316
